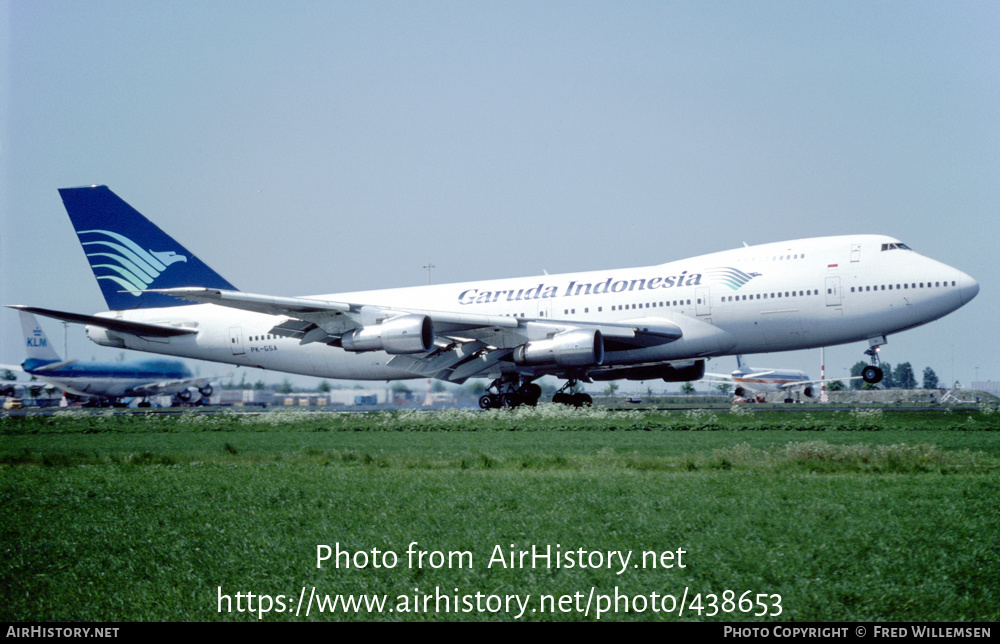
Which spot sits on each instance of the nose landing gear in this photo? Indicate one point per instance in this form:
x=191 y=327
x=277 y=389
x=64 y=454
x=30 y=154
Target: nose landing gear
x=872 y=374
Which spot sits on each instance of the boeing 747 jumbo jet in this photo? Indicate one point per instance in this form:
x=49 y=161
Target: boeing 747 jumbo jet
x=105 y=382
x=643 y=323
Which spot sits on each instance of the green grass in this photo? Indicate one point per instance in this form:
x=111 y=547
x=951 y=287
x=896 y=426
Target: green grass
x=863 y=516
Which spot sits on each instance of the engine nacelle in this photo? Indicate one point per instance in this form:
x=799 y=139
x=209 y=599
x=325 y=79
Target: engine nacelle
x=104 y=337
x=809 y=392
x=403 y=334
x=577 y=348
x=695 y=371
x=743 y=393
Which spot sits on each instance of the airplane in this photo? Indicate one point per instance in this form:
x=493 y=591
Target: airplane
x=643 y=323
x=752 y=384
x=23 y=389
x=103 y=383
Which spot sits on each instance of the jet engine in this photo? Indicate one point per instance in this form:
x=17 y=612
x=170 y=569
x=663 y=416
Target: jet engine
x=402 y=334
x=104 y=337
x=809 y=392
x=577 y=348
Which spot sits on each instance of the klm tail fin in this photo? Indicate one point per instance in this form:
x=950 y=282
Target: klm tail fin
x=128 y=253
x=36 y=345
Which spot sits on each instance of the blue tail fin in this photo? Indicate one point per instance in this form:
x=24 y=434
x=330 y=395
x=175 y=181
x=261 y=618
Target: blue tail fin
x=128 y=253
x=36 y=344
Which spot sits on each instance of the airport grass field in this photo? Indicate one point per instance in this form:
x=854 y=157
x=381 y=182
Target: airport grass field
x=545 y=513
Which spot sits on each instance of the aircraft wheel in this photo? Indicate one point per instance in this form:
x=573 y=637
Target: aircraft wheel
x=510 y=400
x=486 y=401
x=530 y=393
x=561 y=399
x=582 y=400
x=871 y=375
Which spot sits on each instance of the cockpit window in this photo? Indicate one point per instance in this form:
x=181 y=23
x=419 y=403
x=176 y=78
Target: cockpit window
x=895 y=246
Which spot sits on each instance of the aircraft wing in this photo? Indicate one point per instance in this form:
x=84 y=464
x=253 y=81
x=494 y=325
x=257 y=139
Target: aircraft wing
x=806 y=383
x=463 y=344
x=135 y=328
x=339 y=317
x=749 y=376
x=13 y=386
x=168 y=386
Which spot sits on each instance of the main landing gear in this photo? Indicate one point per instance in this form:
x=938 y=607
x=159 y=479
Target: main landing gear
x=578 y=399
x=872 y=374
x=510 y=392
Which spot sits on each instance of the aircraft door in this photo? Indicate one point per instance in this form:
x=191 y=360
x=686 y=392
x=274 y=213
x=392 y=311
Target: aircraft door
x=855 y=252
x=236 y=340
x=833 y=296
x=703 y=305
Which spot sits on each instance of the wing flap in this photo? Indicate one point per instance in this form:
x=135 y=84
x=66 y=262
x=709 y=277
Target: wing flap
x=438 y=364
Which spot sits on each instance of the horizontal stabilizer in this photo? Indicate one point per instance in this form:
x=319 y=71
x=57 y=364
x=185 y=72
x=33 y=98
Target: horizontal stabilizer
x=124 y=326
x=52 y=366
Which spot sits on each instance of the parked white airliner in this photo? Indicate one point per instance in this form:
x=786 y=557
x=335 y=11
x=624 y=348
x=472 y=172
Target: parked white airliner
x=638 y=323
x=752 y=383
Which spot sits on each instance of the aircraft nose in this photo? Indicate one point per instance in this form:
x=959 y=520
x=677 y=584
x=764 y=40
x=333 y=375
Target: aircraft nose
x=967 y=287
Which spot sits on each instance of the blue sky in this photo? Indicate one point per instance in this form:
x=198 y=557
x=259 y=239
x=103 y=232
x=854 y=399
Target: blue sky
x=315 y=147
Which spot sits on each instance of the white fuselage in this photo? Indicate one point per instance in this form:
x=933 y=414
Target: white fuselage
x=769 y=380
x=773 y=297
